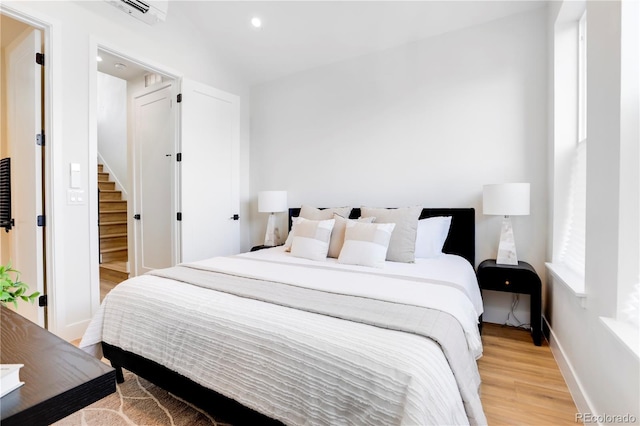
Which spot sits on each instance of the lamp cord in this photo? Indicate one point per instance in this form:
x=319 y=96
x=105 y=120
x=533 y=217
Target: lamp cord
x=519 y=324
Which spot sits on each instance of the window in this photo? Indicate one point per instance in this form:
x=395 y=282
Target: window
x=629 y=228
x=572 y=242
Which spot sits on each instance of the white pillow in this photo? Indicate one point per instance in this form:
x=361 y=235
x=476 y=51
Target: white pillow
x=292 y=232
x=432 y=233
x=337 y=235
x=314 y=213
x=403 y=240
x=366 y=243
x=311 y=238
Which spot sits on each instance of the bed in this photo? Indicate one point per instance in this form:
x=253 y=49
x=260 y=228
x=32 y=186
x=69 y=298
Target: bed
x=269 y=338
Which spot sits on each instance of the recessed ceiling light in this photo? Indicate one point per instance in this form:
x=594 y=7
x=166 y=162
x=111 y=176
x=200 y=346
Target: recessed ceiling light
x=120 y=65
x=99 y=58
x=256 y=22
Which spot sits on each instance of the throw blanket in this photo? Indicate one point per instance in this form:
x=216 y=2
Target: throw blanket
x=394 y=397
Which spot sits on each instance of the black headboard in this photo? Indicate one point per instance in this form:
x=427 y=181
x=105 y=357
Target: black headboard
x=462 y=234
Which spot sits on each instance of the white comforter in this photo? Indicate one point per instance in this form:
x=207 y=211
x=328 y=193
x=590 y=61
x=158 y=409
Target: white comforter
x=292 y=365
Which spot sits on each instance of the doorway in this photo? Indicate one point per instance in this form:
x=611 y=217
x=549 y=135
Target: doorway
x=22 y=242
x=137 y=166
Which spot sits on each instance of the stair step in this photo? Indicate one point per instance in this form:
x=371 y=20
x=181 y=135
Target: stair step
x=110 y=195
x=113 y=235
x=115 y=266
x=114 y=253
x=113 y=249
x=100 y=168
x=113 y=228
x=106 y=185
x=110 y=256
x=111 y=205
x=113 y=215
x=108 y=242
x=103 y=176
x=110 y=272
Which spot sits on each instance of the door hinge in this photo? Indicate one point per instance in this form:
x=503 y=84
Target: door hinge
x=43 y=301
x=136 y=216
x=40 y=139
x=40 y=58
x=179 y=216
x=179 y=156
x=179 y=97
x=41 y=220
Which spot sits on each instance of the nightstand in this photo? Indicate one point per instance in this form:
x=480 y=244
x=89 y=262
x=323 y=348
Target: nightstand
x=261 y=247
x=520 y=278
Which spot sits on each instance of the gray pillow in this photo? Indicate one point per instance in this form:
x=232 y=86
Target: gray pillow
x=313 y=213
x=403 y=239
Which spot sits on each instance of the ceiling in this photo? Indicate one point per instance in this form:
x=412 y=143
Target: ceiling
x=131 y=70
x=300 y=35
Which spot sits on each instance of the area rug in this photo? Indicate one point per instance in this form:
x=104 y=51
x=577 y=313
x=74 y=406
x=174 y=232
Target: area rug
x=138 y=402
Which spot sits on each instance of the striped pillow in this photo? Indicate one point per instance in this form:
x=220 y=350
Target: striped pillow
x=337 y=235
x=366 y=243
x=311 y=238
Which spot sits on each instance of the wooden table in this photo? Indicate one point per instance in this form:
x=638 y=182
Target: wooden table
x=60 y=379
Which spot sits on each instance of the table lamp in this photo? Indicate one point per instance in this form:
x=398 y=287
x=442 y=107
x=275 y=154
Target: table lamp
x=272 y=202
x=506 y=199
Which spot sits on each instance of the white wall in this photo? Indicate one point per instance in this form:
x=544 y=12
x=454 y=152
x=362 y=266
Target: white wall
x=112 y=126
x=425 y=123
x=592 y=359
x=9 y=30
x=75 y=27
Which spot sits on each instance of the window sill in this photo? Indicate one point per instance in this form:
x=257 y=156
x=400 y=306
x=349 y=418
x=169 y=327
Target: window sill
x=571 y=280
x=627 y=334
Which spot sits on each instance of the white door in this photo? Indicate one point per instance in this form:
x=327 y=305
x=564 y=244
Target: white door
x=209 y=172
x=154 y=172
x=24 y=122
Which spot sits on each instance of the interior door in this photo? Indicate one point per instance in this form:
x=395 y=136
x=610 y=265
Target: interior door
x=154 y=170
x=209 y=172
x=24 y=122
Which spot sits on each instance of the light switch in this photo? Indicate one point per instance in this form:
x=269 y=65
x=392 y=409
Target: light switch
x=75 y=196
x=75 y=175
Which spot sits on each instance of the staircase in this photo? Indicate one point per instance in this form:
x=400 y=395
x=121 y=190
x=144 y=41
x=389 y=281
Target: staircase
x=113 y=230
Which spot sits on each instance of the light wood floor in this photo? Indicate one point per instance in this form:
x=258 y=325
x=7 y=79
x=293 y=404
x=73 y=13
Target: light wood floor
x=105 y=287
x=521 y=382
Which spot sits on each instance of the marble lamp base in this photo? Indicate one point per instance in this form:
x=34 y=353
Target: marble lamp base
x=507 y=248
x=272 y=236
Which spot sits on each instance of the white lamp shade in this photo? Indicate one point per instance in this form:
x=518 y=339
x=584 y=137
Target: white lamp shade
x=272 y=201
x=506 y=199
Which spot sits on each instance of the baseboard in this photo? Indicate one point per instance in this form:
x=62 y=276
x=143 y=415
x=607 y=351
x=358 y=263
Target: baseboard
x=576 y=389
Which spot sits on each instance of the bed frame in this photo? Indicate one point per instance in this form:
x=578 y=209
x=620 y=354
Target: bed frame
x=461 y=241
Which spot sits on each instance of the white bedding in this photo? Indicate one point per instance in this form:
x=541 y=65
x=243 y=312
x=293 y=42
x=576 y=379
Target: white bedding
x=446 y=267
x=292 y=365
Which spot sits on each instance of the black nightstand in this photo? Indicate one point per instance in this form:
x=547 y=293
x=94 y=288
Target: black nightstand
x=256 y=248
x=521 y=278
